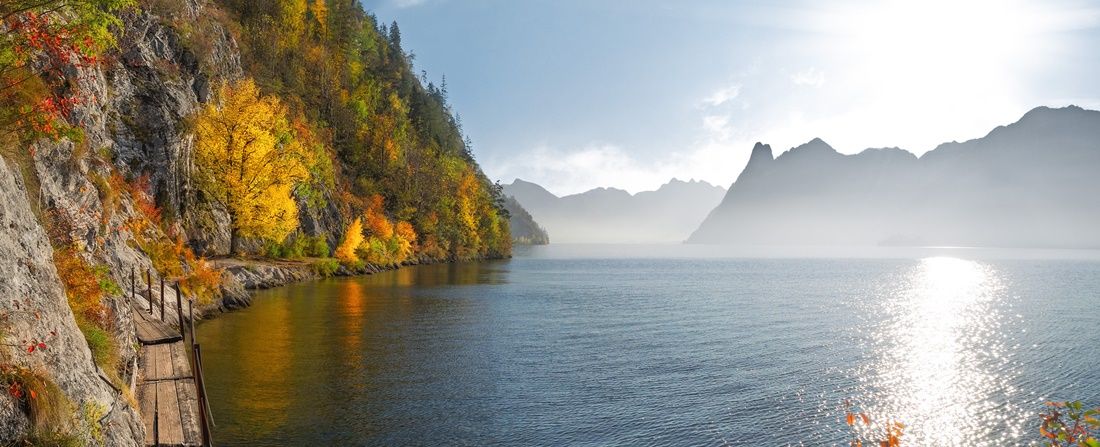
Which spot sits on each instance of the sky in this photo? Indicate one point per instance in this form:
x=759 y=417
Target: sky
x=578 y=94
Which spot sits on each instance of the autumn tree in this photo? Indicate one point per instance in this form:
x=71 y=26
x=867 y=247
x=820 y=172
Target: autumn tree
x=250 y=162
x=352 y=238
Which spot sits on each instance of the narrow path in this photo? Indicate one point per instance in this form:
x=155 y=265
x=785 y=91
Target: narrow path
x=166 y=390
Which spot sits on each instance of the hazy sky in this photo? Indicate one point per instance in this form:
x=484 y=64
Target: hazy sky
x=574 y=94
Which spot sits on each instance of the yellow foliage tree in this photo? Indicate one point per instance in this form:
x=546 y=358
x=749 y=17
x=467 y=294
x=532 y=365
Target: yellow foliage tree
x=291 y=21
x=468 y=189
x=249 y=162
x=406 y=237
x=319 y=10
x=352 y=238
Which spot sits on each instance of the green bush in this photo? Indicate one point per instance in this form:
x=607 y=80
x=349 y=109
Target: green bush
x=317 y=247
x=325 y=267
x=102 y=345
x=291 y=248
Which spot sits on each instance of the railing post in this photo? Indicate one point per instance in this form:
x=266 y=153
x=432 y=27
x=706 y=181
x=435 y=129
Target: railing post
x=149 y=290
x=133 y=286
x=191 y=312
x=161 y=298
x=179 y=312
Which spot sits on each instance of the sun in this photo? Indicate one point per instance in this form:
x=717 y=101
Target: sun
x=942 y=62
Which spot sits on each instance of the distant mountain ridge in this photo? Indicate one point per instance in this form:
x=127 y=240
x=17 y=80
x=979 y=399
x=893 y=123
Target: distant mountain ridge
x=1033 y=183
x=610 y=215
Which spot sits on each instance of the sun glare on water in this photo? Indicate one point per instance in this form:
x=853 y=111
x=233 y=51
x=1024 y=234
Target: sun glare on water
x=939 y=357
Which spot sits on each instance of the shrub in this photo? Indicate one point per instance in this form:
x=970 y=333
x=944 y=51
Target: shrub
x=102 y=344
x=203 y=281
x=318 y=247
x=82 y=284
x=325 y=267
x=1068 y=424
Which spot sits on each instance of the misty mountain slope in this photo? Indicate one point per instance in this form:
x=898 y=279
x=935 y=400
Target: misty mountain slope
x=1032 y=183
x=525 y=231
x=609 y=215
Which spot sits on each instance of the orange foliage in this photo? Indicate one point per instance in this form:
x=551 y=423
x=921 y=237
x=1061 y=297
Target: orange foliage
x=203 y=281
x=82 y=284
x=377 y=223
x=889 y=433
x=143 y=199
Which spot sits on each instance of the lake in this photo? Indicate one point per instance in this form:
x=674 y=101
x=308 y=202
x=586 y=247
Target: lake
x=663 y=345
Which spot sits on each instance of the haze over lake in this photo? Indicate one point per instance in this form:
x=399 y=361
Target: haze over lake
x=662 y=345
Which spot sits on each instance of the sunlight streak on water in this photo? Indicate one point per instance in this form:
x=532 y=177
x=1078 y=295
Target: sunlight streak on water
x=939 y=364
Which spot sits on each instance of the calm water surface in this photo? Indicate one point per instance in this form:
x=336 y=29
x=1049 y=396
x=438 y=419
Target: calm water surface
x=662 y=346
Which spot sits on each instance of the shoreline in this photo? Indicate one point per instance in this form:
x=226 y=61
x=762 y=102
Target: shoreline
x=243 y=276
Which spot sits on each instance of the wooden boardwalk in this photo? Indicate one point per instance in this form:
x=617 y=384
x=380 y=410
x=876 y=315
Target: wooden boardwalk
x=166 y=392
x=154 y=332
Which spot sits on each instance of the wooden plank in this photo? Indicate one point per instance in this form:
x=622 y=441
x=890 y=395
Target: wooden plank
x=147 y=398
x=158 y=362
x=189 y=411
x=181 y=366
x=148 y=362
x=164 y=362
x=169 y=424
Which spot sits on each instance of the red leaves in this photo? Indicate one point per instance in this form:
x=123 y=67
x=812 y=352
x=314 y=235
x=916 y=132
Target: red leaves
x=1067 y=424
x=15 y=389
x=36 y=345
x=46 y=48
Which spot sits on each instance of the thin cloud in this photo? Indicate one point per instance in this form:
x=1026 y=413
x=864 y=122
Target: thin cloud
x=811 y=77
x=723 y=95
x=408 y=3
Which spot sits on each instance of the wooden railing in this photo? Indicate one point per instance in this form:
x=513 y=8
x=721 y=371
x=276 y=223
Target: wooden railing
x=205 y=415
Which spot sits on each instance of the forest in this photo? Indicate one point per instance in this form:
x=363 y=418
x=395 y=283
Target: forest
x=350 y=94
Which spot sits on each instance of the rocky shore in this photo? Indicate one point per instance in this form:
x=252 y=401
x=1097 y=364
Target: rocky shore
x=244 y=275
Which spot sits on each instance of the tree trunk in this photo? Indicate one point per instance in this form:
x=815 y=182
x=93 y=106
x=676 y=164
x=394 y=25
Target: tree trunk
x=233 y=239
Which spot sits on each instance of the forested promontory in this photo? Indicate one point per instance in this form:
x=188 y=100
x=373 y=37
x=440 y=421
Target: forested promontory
x=183 y=141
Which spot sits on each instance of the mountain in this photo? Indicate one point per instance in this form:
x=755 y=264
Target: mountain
x=1032 y=183
x=525 y=231
x=609 y=215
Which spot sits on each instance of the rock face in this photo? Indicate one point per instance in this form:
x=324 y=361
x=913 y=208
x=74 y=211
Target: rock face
x=132 y=117
x=36 y=309
x=1029 y=184
x=609 y=215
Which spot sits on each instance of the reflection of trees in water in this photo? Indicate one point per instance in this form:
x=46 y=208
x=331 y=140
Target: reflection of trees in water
x=459 y=274
x=262 y=354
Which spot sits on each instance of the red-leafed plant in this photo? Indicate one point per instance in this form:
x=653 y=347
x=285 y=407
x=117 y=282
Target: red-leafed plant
x=42 y=42
x=1068 y=424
